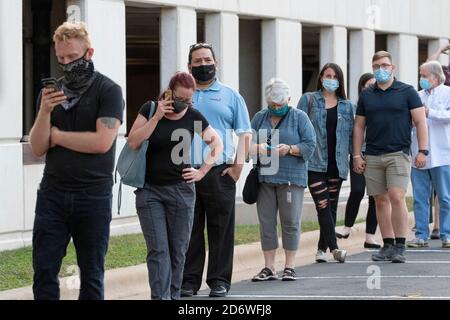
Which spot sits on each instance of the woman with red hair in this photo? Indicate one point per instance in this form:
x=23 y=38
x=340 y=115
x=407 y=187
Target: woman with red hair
x=165 y=205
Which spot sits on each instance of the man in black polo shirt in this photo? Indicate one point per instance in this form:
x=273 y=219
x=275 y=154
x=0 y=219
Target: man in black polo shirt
x=386 y=110
x=76 y=128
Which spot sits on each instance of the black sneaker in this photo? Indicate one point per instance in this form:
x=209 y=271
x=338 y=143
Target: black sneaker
x=184 y=292
x=435 y=234
x=289 y=275
x=399 y=254
x=385 y=253
x=218 y=291
x=264 y=275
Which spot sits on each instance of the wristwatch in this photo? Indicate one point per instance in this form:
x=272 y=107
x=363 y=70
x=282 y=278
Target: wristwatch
x=290 y=149
x=424 y=151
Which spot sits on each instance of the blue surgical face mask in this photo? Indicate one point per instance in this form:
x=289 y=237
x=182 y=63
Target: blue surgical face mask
x=279 y=112
x=382 y=76
x=425 y=84
x=330 y=85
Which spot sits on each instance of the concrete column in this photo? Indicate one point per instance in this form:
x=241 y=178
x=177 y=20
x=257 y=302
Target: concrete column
x=362 y=48
x=11 y=70
x=333 y=47
x=282 y=55
x=222 y=32
x=435 y=45
x=405 y=55
x=106 y=23
x=178 y=32
x=11 y=89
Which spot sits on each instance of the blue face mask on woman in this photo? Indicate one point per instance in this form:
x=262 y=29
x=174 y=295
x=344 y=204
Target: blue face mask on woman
x=382 y=76
x=330 y=85
x=425 y=84
x=279 y=112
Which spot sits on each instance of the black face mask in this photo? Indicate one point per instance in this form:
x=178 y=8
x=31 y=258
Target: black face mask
x=204 y=73
x=179 y=106
x=78 y=72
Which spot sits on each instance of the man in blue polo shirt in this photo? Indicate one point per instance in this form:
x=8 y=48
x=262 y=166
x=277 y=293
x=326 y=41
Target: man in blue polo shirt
x=386 y=110
x=226 y=111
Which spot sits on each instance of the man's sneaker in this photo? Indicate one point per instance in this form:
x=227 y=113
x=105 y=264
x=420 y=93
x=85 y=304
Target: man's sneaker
x=264 y=275
x=339 y=255
x=218 y=291
x=288 y=275
x=187 y=292
x=417 y=243
x=399 y=253
x=435 y=234
x=446 y=244
x=321 y=256
x=385 y=253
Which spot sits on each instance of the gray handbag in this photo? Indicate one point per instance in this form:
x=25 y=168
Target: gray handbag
x=131 y=164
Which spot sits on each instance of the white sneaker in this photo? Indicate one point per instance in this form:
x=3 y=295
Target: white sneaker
x=339 y=255
x=417 y=243
x=321 y=256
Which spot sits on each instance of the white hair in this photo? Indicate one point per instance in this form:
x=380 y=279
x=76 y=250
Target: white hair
x=435 y=68
x=277 y=91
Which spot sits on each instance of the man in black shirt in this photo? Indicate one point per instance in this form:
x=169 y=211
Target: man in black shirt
x=76 y=128
x=386 y=110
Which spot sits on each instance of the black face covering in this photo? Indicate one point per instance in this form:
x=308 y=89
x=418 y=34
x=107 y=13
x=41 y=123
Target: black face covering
x=78 y=77
x=204 y=73
x=179 y=106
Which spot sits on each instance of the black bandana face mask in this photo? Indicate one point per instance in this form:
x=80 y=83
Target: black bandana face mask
x=78 y=72
x=78 y=77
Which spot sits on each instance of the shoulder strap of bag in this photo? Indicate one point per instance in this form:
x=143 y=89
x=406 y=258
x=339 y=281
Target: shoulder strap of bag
x=310 y=103
x=277 y=126
x=270 y=133
x=257 y=139
x=152 y=110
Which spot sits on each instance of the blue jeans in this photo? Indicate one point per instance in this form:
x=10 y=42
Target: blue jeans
x=83 y=215
x=422 y=182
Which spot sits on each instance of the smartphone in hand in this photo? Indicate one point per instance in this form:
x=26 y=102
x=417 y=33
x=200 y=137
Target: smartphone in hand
x=51 y=83
x=168 y=94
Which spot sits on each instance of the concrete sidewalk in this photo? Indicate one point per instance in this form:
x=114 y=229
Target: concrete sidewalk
x=132 y=282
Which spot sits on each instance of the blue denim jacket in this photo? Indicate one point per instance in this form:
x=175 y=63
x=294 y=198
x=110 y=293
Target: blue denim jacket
x=318 y=116
x=296 y=129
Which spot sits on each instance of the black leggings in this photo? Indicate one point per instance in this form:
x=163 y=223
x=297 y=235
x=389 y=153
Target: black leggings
x=325 y=193
x=357 y=188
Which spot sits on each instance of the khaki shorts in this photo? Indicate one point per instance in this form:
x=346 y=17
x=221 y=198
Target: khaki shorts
x=387 y=171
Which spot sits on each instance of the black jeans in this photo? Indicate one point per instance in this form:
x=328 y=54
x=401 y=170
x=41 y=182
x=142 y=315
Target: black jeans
x=83 y=215
x=357 y=191
x=325 y=190
x=215 y=202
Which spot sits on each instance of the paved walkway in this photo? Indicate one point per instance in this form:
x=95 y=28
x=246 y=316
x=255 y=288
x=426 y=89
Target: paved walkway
x=425 y=275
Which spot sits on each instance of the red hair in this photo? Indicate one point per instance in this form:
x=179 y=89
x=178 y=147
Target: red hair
x=180 y=79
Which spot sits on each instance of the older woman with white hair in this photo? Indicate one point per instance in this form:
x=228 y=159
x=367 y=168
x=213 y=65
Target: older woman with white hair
x=283 y=140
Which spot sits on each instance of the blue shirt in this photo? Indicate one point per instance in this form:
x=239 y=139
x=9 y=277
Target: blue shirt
x=296 y=129
x=318 y=117
x=388 y=117
x=226 y=112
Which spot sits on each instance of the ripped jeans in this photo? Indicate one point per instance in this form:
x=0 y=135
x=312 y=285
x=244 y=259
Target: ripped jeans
x=325 y=190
